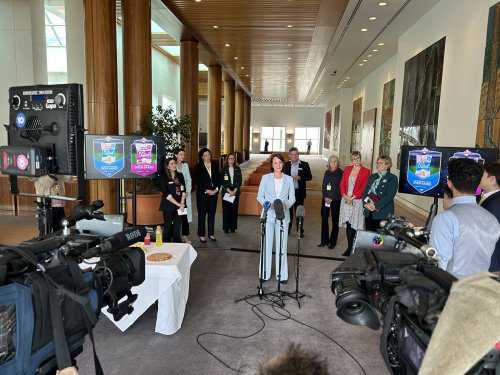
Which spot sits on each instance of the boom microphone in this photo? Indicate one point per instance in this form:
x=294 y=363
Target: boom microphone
x=279 y=210
x=118 y=241
x=300 y=213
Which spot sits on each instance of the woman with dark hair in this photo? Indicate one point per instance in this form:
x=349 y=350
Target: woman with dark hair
x=208 y=180
x=231 y=184
x=352 y=186
x=331 y=202
x=379 y=193
x=273 y=186
x=183 y=167
x=174 y=196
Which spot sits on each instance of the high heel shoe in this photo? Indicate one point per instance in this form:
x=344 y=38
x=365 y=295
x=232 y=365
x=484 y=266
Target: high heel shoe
x=212 y=238
x=346 y=253
x=203 y=240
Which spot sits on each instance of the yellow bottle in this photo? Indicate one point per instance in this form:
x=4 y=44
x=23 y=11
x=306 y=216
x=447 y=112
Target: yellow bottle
x=158 y=236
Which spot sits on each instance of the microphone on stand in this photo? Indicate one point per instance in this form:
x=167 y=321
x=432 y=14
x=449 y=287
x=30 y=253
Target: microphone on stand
x=299 y=214
x=279 y=210
x=267 y=206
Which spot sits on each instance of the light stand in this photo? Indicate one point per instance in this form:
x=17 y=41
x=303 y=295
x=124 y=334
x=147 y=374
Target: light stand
x=296 y=295
x=260 y=289
x=44 y=215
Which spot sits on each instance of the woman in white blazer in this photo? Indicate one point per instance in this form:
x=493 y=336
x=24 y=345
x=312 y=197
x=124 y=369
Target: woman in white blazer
x=276 y=185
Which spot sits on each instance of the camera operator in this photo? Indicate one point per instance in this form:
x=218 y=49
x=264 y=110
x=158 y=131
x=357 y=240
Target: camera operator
x=465 y=234
x=490 y=183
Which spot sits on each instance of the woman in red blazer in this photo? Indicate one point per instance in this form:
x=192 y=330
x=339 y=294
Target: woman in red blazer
x=352 y=185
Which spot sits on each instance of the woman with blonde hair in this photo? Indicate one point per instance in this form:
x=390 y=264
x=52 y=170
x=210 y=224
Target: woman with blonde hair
x=330 y=202
x=352 y=186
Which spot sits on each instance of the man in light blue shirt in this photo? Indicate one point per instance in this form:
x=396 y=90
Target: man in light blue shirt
x=465 y=234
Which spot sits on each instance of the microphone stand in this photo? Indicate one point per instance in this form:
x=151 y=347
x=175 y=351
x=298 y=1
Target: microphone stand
x=278 y=293
x=260 y=289
x=297 y=295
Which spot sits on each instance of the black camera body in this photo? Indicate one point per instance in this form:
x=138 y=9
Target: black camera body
x=48 y=303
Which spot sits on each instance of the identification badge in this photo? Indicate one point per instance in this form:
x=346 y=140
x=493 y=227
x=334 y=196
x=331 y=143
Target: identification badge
x=171 y=182
x=328 y=187
x=226 y=177
x=182 y=187
x=300 y=169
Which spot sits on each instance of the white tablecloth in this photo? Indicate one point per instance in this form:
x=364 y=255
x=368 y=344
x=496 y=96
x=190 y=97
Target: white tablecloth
x=167 y=282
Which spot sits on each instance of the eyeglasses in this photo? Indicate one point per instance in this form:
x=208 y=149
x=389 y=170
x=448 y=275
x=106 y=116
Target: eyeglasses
x=357 y=158
x=231 y=158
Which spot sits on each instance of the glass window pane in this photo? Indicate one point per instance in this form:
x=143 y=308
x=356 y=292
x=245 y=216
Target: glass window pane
x=300 y=133
x=301 y=145
x=312 y=133
x=314 y=147
x=279 y=132
x=266 y=132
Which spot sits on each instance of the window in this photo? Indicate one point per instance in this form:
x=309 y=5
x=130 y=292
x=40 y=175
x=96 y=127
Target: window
x=168 y=101
x=55 y=42
x=303 y=135
x=275 y=135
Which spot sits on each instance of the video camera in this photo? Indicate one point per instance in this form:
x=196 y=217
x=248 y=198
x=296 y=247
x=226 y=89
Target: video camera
x=48 y=303
x=404 y=284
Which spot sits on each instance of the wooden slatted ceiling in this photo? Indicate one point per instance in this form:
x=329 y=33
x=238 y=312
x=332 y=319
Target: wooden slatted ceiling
x=273 y=55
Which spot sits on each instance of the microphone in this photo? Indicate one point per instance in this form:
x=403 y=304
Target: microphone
x=300 y=213
x=118 y=241
x=279 y=210
x=267 y=206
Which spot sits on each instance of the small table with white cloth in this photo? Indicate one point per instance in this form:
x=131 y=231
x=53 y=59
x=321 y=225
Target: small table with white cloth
x=167 y=282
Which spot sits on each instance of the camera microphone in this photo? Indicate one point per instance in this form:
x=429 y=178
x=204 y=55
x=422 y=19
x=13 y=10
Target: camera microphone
x=118 y=241
x=279 y=210
x=300 y=213
x=266 y=206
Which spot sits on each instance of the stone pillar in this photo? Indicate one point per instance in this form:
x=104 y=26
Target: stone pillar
x=246 y=123
x=189 y=93
x=229 y=116
x=137 y=91
x=102 y=89
x=238 y=121
x=214 y=109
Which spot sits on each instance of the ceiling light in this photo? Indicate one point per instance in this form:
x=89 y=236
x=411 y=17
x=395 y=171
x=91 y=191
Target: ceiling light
x=242 y=67
x=381 y=44
x=248 y=75
x=364 y=29
x=375 y=50
x=347 y=77
x=289 y=58
x=215 y=26
x=382 y=4
x=369 y=56
x=365 y=60
x=236 y=57
x=197 y=1
x=289 y=44
x=372 y=18
x=227 y=45
x=289 y=26
x=360 y=64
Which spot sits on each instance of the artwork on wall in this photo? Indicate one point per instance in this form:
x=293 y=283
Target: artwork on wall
x=488 y=125
x=421 y=95
x=336 y=128
x=386 y=121
x=367 y=137
x=328 y=129
x=356 y=124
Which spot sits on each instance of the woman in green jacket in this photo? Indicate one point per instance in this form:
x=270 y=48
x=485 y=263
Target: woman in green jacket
x=230 y=192
x=378 y=197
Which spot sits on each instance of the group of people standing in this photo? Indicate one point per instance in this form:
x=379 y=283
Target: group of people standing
x=355 y=199
x=176 y=186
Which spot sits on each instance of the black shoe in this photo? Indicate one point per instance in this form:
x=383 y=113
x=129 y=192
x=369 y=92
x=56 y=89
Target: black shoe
x=233 y=230
x=346 y=253
x=322 y=245
x=212 y=238
x=226 y=231
x=283 y=281
x=302 y=235
x=331 y=246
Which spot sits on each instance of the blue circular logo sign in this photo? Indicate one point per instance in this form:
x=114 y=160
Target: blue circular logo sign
x=20 y=120
x=378 y=240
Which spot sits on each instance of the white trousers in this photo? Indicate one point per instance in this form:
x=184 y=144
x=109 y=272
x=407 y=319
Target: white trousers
x=273 y=230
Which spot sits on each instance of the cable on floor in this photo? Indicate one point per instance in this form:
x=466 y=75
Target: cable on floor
x=285 y=315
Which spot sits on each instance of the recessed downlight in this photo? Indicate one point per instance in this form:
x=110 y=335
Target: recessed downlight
x=382 y=4
x=289 y=58
x=381 y=44
x=289 y=44
x=227 y=45
x=289 y=26
x=365 y=60
x=360 y=64
x=198 y=1
x=215 y=26
x=248 y=75
x=236 y=57
x=364 y=29
x=369 y=56
x=242 y=67
x=375 y=50
x=372 y=18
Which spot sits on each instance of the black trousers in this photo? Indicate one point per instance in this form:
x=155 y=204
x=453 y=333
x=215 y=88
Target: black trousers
x=185 y=225
x=230 y=214
x=171 y=226
x=334 y=209
x=298 y=202
x=371 y=223
x=57 y=214
x=207 y=205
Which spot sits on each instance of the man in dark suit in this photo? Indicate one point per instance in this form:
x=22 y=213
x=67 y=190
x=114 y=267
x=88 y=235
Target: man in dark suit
x=301 y=173
x=490 y=183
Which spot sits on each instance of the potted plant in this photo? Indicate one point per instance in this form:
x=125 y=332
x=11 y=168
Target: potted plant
x=177 y=132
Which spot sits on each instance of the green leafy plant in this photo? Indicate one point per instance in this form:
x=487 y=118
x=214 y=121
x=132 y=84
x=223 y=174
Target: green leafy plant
x=175 y=130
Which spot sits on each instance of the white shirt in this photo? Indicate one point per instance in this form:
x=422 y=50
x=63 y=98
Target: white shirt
x=486 y=195
x=278 y=186
x=209 y=170
x=231 y=174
